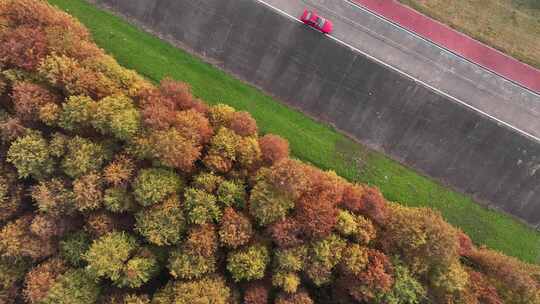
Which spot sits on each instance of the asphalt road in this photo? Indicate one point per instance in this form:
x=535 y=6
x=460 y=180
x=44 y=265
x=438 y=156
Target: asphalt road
x=438 y=68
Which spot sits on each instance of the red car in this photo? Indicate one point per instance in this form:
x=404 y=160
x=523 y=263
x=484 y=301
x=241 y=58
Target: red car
x=312 y=19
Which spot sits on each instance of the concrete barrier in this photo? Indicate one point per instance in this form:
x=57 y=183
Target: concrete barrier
x=377 y=106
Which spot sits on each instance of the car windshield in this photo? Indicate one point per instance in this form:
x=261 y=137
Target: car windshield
x=320 y=22
x=308 y=16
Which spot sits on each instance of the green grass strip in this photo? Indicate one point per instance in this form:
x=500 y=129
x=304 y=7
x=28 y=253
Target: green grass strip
x=310 y=141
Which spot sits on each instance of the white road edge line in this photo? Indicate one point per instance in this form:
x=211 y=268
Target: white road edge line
x=455 y=54
x=409 y=76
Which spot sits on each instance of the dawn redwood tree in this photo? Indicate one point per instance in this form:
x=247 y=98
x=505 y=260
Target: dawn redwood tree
x=323 y=256
x=17 y=241
x=153 y=185
x=83 y=156
x=47 y=226
x=243 y=124
x=374 y=280
x=256 y=293
x=249 y=154
x=120 y=258
x=268 y=204
x=119 y=200
x=482 y=289
x=10 y=194
x=207 y=181
x=273 y=148
x=162 y=224
x=186 y=265
x=117 y=116
x=515 y=281
x=210 y=289
x=178 y=93
x=236 y=229
x=73 y=246
x=12 y=128
x=101 y=222
x=88 y=192
x=40 y=279
x=421 y=237
x=54 y=197
x=221 y=115
x=174 y=150
x=231 y=194
x=201 y=207
x=222 y=151
x=317 y=216
x=249 y=263
x=120 y=171
x=75 y=286
x=23 y=47
x=286 y=233
x=194 y=126
x=294 y=298
x=76 y=113
x=28 y=98
x=30 y=156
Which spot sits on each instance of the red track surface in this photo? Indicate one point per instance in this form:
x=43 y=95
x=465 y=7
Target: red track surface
x=455 y=41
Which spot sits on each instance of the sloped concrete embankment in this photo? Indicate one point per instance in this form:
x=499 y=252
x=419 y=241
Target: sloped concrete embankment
x=374 y=104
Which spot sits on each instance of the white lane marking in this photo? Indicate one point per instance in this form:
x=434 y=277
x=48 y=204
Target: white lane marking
x=280 y=10
x=398 y=26
x=410 y=77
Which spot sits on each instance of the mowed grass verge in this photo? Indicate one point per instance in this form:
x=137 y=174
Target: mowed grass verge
x=512 y=26
x=310 y=141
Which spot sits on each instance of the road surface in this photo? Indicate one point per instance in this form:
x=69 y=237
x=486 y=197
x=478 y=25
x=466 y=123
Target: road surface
x=438 y=68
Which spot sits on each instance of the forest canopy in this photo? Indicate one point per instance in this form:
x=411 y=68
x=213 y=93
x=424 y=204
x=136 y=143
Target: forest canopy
x=115 y=190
